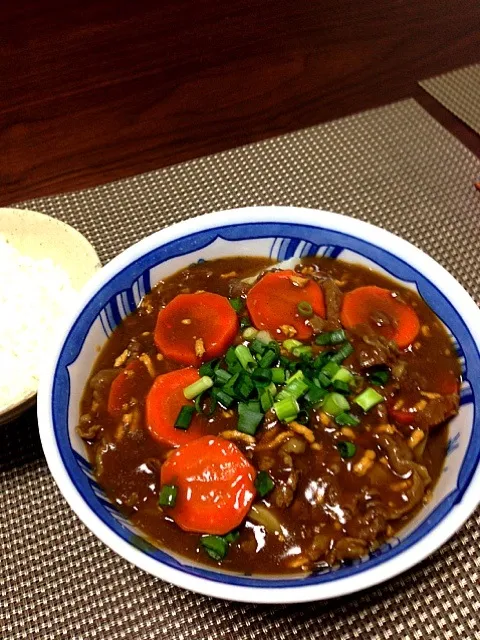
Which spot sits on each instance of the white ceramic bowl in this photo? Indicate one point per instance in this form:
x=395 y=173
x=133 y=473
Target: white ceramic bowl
x=39 y=236
x=278 y=232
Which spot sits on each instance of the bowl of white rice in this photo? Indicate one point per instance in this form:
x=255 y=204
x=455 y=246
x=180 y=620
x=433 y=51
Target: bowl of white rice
x=43 y=265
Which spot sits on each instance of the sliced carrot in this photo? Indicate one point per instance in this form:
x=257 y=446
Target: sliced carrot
x=195 y=327
x=215 y=485
x=130 y=383
x=164 y=402
x=361 y=305
x=272 y=303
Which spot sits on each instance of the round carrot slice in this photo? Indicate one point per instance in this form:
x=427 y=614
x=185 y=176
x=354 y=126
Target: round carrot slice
x=130 y=383
x=215 y=485
x=194 y=327
x=273 y=303
x=164 y=402
x=380 y=309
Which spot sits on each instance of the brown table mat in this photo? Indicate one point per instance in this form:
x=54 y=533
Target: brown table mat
x=459 y=92
x=393 y=166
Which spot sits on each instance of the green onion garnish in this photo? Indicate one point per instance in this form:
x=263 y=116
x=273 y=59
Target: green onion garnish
x=296 y=387
x=344 y=375
x=244 y=322
x=258 y=347
x=323 y=380
x=331 y=337
x=230 y=386
x=335 y=404
x=245 y=357
x=208 y=368
x=330 y=369
x=263 y=483
x=368 y=399
x=379 y=377
x=266 y=400
x=346 y=449
x=343 y=353
x=221 y=376
x=305 y=309
x=286 y=408
x=267 y=359
x=215 y=546
x=184 y=417
x=222 y=398
x=346 y=419
x=244 y=386
x=341 y=387
x=315 y=395
x=196 y=388
x=261 y=377
x=231 y=360
x=200 y=405
x=291 y=343
x=168 y=495
x=278 y=375
x=236 y=303
x=248 y=419
x=301 y=351
x=249 y=333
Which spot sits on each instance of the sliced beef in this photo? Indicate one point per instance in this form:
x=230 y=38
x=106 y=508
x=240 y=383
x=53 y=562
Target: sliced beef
x=437 y=411
x=333 y=303
x=372 y=349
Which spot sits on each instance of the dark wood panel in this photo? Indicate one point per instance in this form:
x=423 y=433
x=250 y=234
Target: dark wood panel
x=93 y=91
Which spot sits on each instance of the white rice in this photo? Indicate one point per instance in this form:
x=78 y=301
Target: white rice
x=34 y=295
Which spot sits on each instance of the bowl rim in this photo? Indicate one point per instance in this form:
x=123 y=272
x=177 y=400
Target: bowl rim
x=376 y=236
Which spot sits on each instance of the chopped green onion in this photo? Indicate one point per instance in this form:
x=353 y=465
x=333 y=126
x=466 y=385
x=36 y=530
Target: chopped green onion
x=278 y=375
x=196 y=388
x=346 y=419
x=168 y=495
x=221 y=376
x=223 y=398
x=344 y=375
x=237 y=304
x=244 y=386
x=264 y=337
x=232 y=536
x=298 y=375
x=258 y=347
x=343 y=353
x=322 y=359
x=301 y=351
x=286 y=408
x=291 y=343
x=248 y=419
x=305 y=309
x=341 y=387
x=231 y=360
x=215 y=546
x=245 y=357
x=266 y=400
x=331 y=337
x=346 y=449
x=368 y=399
x=296 y=388
x=200 y=405
x=253 y=405
x=208 y=368
x=263 y=483
x=184 y=417
x=302 y=417
x=230 y=386
x=245 y=322
x=261 y=377
x=250 y=333
x=315 y=394
x=284 y=361
x=267 y=359
x=323 y=380
x=379 y=377
x=330 y=369
x=272 y=388
x=335 y=404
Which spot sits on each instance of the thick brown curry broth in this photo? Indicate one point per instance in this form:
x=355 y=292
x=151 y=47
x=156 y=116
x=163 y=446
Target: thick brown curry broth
x=125 y=472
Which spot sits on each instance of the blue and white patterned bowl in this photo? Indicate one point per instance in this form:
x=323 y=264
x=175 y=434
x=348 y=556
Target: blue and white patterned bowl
x=281 y=233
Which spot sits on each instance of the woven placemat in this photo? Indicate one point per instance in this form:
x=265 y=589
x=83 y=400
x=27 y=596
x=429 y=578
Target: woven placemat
x=393 y=166
x=459 y=92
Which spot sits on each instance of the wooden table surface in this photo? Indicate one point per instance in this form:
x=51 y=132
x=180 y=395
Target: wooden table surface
x=95 y=90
